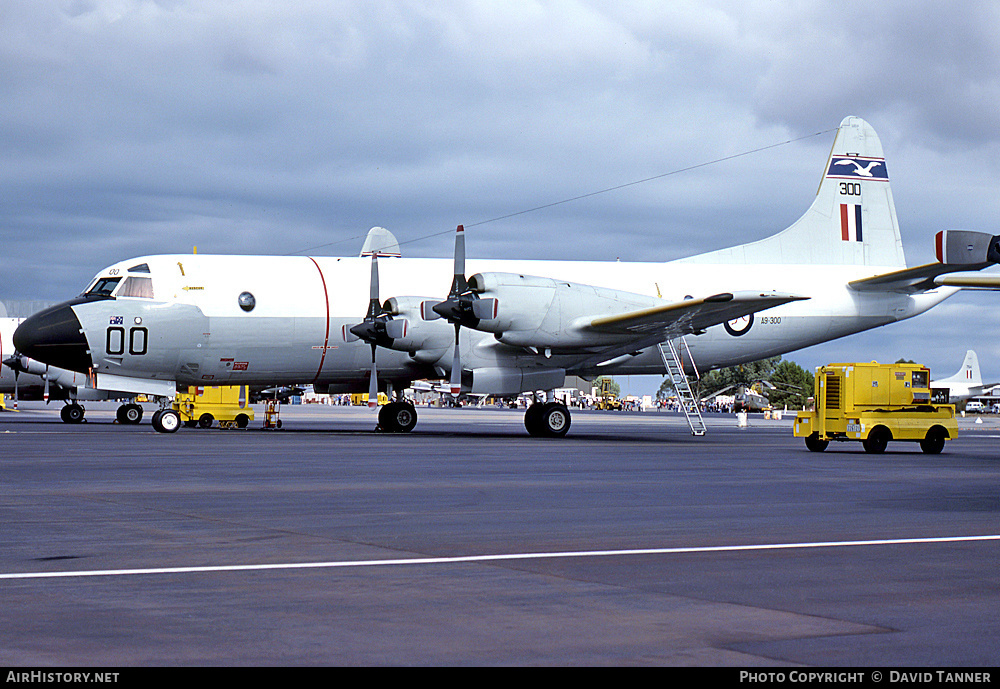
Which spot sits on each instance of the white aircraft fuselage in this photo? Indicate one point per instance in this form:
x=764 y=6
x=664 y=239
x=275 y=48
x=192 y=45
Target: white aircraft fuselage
x=197 y=334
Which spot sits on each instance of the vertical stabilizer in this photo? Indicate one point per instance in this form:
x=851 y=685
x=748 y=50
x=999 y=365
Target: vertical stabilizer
x=852 y=221
x=969 y=373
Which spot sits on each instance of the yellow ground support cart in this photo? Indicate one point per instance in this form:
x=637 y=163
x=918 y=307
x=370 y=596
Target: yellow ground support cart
x=202 y=406
x=875 y=403
x=608 y=400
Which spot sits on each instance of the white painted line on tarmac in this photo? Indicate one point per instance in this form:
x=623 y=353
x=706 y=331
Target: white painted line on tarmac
x=348 y=564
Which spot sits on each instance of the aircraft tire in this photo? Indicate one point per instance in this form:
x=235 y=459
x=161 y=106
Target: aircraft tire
x=72 y=413
x=397 y=417
x=554 y=420
x=531 y=419
x=166 y=421
x=934 y=442
x=877 y=441
x=815 y=444
x=129 y=414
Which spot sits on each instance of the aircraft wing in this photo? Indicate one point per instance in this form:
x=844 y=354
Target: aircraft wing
x=689 y=315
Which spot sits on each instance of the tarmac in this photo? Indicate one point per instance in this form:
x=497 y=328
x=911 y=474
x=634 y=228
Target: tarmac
x=468 y=543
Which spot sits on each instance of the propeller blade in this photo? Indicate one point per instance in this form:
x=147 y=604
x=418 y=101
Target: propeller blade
x=373 y=291
x=16 y=374
x=373 y=383
x=45 y=393
x=456 y=366
x=459 y=285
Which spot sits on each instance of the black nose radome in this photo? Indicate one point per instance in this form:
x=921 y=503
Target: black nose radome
x=53 y=336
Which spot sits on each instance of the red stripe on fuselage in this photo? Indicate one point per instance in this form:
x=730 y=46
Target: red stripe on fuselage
x=326 y=337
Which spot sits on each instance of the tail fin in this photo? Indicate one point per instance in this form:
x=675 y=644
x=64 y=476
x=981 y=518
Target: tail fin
x=969 y=373
x=852 y=221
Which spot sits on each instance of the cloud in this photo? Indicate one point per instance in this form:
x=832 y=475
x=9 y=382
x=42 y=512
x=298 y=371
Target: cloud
x=134 y=126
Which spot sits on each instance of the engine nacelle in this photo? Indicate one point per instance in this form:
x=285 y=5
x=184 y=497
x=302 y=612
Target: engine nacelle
x=965 y=247
x=425 y=340
x=543 y=312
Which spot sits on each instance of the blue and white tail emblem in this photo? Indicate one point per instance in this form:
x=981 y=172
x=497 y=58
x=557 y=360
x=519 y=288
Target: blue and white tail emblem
x=856 y=167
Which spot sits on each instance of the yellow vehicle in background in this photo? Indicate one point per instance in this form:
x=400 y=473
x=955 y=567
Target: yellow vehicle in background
x=360 y=399
x=608 y=400
x=876 y=403
x=203 y=406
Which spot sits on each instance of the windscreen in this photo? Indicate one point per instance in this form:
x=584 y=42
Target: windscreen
x=102 y=287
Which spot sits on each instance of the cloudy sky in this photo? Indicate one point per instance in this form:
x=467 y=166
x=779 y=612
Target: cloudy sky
x=131 y=127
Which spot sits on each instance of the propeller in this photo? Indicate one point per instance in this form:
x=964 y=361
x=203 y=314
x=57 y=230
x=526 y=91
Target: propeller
x=377 y=328
x=461 y=307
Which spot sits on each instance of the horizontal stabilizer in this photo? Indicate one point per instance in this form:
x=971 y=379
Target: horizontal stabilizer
x=984 y=282
x=691 y=315
x=957 y=250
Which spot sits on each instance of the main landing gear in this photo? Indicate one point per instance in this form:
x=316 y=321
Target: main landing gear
x=129 y=414
x=547 y=419
x=397 y=417
x=72 y=413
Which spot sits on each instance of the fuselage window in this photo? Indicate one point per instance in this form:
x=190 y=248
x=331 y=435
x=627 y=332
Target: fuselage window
x=136 y=287
x=102 y=287
x=247 y=301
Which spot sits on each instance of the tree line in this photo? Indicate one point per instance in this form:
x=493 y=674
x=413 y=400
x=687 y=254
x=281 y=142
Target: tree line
x=784 y=383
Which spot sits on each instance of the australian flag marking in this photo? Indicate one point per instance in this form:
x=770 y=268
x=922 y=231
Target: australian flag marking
x=855 y=167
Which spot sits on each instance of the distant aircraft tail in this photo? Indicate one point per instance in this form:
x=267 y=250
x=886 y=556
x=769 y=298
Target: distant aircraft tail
x=852 y=221
x=969 y=373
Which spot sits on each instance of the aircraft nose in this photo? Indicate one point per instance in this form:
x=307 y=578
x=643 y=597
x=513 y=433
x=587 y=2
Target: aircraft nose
x=54 y=337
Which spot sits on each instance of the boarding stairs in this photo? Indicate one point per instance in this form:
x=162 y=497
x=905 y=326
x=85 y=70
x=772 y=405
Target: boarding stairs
x=671 y=351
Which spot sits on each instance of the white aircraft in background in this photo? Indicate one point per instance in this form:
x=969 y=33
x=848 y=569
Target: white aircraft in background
x=149 y=324
x=966 y=383
x=27 y=379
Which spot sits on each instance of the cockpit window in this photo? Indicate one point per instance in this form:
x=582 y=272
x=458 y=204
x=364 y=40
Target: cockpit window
x=141 y=268
x=102 y=287
x=136 y=287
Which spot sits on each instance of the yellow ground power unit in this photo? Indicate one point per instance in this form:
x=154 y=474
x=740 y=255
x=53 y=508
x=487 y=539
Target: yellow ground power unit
x=876 y=403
